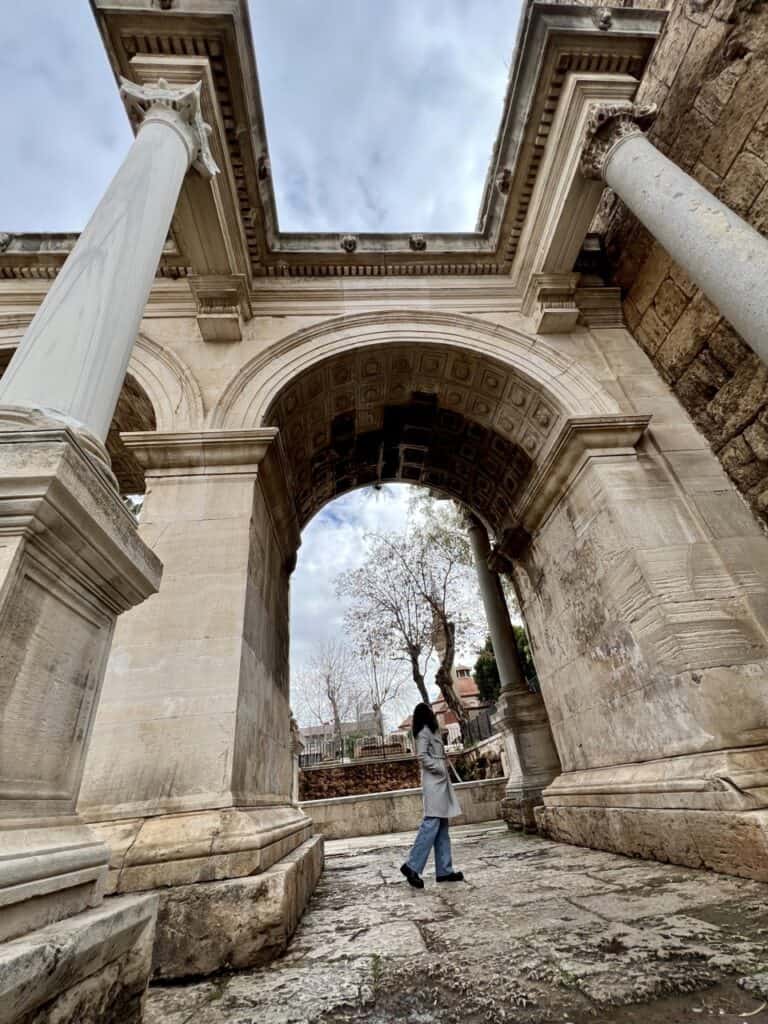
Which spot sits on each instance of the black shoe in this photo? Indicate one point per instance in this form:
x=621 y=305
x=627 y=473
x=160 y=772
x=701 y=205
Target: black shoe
x=413 y=878
x=455 y=876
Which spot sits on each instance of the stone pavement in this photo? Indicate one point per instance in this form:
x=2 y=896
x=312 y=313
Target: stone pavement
x=540 y=932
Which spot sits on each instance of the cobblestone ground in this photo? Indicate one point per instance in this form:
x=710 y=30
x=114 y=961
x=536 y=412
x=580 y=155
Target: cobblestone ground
x=539 y=932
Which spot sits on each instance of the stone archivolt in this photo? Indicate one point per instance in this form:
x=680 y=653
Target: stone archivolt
x=249 y=394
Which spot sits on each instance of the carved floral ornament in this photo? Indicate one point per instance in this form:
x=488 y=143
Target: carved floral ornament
x=609 y=124
x=144 y=100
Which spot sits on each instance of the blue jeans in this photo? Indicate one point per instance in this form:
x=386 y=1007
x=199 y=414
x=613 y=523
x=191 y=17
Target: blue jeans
x=432 y=832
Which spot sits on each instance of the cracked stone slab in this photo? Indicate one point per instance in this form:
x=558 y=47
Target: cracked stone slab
x=539 y=933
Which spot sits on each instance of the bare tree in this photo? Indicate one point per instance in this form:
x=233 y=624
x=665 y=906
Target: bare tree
x=383 y=681
x=409 y=598
x=387 y=612
x=437 y=568
x=329 y=689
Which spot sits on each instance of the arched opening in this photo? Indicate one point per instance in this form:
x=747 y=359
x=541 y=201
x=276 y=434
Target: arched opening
x=134 y=411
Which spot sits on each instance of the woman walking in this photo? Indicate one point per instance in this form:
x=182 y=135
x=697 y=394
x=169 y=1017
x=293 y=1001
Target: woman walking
x=440 y=803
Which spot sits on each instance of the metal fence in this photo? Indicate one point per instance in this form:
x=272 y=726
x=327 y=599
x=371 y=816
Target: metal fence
x=322 y=750
x=480 y=727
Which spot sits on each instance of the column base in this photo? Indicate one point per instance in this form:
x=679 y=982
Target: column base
x=707 y=810
x=733 y=843
x=204 y=846
x=518 y=809
x=90 y=969
x=237 y=923
x=47 y=874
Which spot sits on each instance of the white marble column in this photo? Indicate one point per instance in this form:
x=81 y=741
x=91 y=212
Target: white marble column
x=72 y=360
x=71 y=560
x=522 y=716
x=716 y=248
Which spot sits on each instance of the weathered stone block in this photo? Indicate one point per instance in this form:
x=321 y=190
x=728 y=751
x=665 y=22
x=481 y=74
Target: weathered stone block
x=669 y=303
x=651 y=332
x=650 y=278
x=739 y=118
x=744 y=182
x=91 y=969
x=700 y=382
x=691 y=138
x=756 y=437
x=740 y=400
x=735 y=843
x=688 y=337
x=209 y=927
x=727 y=347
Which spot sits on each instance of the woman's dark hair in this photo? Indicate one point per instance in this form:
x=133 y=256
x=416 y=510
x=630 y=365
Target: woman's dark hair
x=423 y=715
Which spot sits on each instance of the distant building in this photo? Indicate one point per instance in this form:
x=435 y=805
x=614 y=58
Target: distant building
x=469 y=695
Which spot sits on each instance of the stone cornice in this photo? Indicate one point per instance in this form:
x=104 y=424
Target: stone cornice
x=579 y=439
x=554 y=39
x=20 y=299
x=257 y=454
x=200 y=452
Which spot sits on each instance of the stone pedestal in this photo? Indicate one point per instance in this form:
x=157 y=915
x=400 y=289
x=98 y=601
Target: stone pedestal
x=70 y=563
x=522 y=718
x=89 y=969
x=189 y=777
x=646 y=591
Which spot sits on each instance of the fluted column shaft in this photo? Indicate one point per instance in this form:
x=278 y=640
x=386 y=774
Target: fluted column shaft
x=716 y=248
x=72 y=360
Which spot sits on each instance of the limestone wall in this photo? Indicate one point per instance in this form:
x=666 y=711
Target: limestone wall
x=709 y=77
x=378 y=813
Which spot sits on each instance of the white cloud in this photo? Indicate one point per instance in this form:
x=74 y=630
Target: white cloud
x=382 y=116
x=65 y=131
x=333 y=543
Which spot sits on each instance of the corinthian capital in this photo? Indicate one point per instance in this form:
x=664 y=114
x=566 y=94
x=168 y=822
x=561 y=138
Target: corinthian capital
x=607 y=125
x=178 y=106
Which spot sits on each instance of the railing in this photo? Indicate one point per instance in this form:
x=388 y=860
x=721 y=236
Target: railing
x=480 y=727
x=320 y=750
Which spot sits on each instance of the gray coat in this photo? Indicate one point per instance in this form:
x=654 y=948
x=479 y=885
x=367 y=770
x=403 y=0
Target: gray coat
x=439 y=799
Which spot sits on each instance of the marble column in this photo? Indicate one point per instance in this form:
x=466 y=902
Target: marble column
x=522 y=716
x=715 y=247
x=72 y=360
x=71 y=562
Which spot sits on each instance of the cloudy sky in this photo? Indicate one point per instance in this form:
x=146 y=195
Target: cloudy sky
x=380 y=114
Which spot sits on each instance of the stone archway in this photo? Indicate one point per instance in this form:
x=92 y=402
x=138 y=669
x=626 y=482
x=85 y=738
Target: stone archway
x=189 y=775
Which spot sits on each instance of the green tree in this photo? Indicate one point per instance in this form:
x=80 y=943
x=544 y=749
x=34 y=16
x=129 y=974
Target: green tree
x=524 y=648
x=487 y=673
